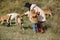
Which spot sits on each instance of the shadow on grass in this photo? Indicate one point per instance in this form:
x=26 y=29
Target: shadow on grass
x=7 y=24
x=29 y=27
x=47 y=26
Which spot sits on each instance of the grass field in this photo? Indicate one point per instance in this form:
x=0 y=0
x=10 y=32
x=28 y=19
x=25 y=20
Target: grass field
x=14 y=32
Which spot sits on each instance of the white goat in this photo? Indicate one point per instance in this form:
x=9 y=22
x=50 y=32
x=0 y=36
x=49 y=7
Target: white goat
x=13 y=16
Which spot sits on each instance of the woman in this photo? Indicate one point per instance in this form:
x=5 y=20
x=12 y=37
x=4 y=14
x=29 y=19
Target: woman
x=41 y=17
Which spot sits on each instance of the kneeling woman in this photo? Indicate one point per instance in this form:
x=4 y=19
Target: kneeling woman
x=41 y=17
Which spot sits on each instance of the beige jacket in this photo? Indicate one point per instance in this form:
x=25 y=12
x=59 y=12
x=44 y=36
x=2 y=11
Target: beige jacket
x=39 y=10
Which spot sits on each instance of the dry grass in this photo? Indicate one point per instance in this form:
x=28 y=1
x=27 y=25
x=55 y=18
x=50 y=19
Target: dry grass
x=14 y=33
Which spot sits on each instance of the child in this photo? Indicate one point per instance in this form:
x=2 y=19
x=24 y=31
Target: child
x=33 y=18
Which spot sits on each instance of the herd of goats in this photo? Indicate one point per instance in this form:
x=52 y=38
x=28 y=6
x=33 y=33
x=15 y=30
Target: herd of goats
x=18 y=18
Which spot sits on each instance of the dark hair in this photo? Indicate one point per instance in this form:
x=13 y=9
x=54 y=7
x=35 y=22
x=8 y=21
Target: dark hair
x=28 y=5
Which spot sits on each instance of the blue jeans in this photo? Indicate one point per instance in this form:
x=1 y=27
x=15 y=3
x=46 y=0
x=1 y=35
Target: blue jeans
x=34 y=25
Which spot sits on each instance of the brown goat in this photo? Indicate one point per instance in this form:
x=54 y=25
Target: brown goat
x=47 y=12
x=4 y=18
x=20 y=21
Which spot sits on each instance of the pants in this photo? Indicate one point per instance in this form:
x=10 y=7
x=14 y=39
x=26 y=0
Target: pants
x=34 y=25
x=40 y=27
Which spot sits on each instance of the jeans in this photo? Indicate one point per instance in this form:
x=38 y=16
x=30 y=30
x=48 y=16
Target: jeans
x=34 y=25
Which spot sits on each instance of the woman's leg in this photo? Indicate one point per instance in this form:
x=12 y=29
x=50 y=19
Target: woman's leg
x=41 y=27
x=38 y=27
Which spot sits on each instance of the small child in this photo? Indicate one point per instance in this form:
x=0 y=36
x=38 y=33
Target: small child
x=34 y=20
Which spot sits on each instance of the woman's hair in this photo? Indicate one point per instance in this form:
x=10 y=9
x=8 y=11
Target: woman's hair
x=28 y=5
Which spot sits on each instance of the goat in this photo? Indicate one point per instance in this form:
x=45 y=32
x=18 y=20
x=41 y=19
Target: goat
x=13 y=16
x=20 y=21
x=4 y=18
x=48 y=12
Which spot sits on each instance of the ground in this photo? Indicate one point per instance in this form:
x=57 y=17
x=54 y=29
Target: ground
x=14 y=32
